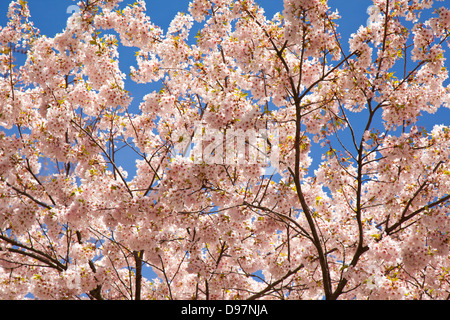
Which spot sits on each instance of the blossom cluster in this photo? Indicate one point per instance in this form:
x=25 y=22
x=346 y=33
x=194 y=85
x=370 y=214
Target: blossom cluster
x=369 y=219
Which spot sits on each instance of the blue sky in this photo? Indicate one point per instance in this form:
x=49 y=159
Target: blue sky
x=50 y=17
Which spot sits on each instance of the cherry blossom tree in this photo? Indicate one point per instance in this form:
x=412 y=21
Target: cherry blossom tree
x=369 y=221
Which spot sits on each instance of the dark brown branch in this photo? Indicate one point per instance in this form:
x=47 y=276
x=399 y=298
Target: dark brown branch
x=138 y=256
x=33 y=253
x=273 y=284
x=405 y=218
x=24 y=193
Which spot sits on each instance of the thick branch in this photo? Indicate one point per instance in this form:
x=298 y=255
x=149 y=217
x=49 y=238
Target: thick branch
x=138 y=256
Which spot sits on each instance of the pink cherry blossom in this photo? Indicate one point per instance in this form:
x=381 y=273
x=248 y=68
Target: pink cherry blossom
x=96 y=188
